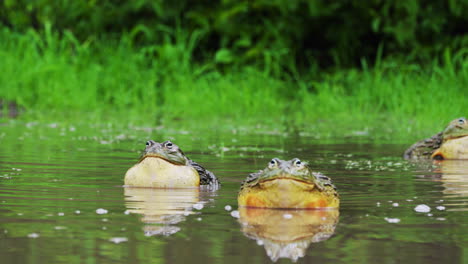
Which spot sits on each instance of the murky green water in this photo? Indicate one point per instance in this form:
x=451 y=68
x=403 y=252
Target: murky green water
x=62 y=201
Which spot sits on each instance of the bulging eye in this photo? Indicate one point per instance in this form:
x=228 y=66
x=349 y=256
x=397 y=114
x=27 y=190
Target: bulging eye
x=273 y=163
x=297 y=163
x=461 y=121
x=149 y=143
x=168 y=144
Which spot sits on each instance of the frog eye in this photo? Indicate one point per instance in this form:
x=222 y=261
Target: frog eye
x=461 y=121
x=273 y=163
x=168 y=144
x=149 y=142
x=297 y=163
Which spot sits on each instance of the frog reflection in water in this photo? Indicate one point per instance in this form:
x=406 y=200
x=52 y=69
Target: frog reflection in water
x=451 y=143
x=288 y=184
x=453 y=174
x=164 y=165
x=162 y=210
x=287 y=233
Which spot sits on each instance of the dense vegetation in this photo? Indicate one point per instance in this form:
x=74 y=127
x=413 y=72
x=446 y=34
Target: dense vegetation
x=280 y=62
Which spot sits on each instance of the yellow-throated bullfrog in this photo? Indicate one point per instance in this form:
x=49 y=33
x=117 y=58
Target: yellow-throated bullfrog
x=451 y=143
x=164 y=165
x=288 y=184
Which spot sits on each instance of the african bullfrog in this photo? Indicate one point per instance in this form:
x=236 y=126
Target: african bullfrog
x=451 y=143
x=164 y=165
x=288 y=184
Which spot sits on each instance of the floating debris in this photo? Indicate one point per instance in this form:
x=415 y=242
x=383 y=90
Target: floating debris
x=392 y=220
x=33 y=235
x=422 y=208
x=440 y=207
x=287 y=216
x=395 y=204
x=101 y=211
x=118 y=240
x=235 y=214
x=198 y=206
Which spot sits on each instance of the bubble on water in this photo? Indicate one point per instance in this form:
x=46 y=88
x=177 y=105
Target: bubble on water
x=441 y=218
x=105 y=220
x=440 y=207
x=429 y=214
x=101 y=211
x=77 y=212
x=235 y=214
x=409 y=200
x=378 y=204
x=33 y=235
x=60 y=227
x=104 y=228
x=198 y=206
x=422 y=208
x=392 y=220
x=20 y=214
x=395 y=204
x=227 y=208
x=127 y=212
x=118 y=240
x=60 y=214
x=199 y=219
x=287 y=216
x=260 y=242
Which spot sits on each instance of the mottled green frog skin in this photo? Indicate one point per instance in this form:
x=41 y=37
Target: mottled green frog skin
x=288 y=184
x=431 y=148
x=167 y=157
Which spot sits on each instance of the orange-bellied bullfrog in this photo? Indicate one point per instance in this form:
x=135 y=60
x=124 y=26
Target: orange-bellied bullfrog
x=288 y=184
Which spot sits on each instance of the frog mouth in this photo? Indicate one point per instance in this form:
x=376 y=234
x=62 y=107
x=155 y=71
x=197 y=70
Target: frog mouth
x=285 y=177
x=161 y=157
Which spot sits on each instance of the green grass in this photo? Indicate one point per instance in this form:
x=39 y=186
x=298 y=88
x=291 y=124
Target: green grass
x=59 y=77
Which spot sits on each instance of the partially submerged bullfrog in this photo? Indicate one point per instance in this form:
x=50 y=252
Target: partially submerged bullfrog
x=288 y=184
x=451 y=143
x=164 y=165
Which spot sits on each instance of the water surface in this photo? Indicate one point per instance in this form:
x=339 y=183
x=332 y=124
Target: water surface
x=62 y=201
